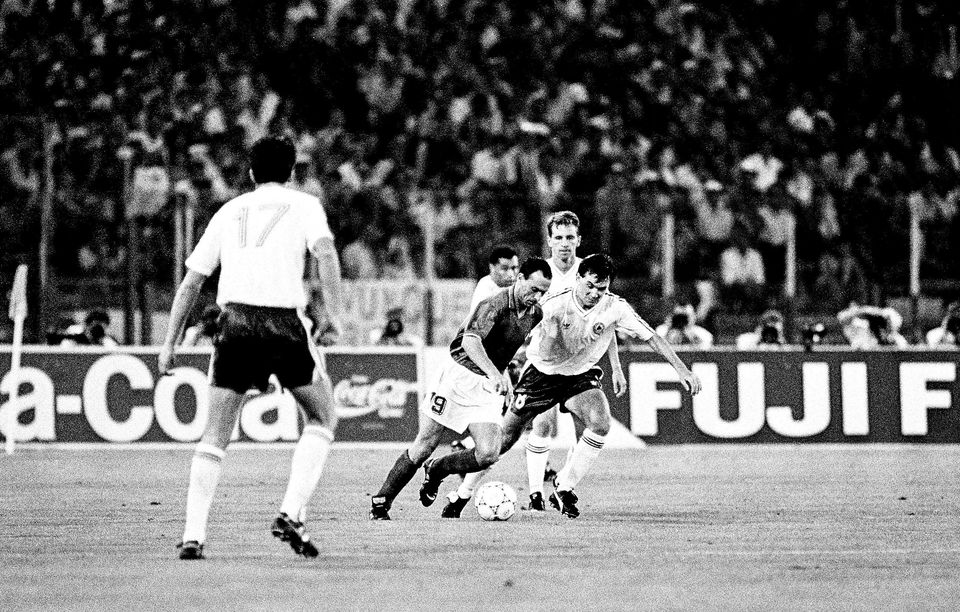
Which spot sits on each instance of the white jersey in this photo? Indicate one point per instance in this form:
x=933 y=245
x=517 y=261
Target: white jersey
x=563 y=280
x=485 y=288
x=260 y=240
x=583 y=335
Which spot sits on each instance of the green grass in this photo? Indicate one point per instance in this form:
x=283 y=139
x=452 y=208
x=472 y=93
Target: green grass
x=690 y=527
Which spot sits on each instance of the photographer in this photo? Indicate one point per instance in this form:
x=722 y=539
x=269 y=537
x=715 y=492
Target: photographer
x=393 y=334
x=681 y=329
x=93 y=332
x=948 y=333
x=768 y=333
x=203 y=332
x=871 y=326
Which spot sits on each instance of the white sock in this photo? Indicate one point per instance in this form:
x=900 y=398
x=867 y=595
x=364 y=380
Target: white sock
x=204 y=476
x=309 y=457
x=538 y=454
x=470 y=483
x=584 y=454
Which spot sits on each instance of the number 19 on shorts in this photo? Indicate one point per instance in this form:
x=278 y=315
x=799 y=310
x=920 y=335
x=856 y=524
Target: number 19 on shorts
x=437 y=403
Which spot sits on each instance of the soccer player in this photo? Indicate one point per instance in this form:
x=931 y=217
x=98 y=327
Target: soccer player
x=259 y=240
x=470 y=391
x=503 y=272
x=504 y=265
x=563 y=238
x=576 y=329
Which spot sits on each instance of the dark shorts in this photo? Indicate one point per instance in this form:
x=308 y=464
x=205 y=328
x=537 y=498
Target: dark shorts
x=538 y=392
x=254 y=342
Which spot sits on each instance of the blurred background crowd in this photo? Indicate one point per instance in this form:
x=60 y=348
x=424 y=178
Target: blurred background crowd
x=462 y=123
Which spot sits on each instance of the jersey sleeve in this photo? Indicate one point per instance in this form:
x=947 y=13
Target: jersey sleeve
x=485 y=316
x=315 y=223
x=206 y=255
x=629 y=321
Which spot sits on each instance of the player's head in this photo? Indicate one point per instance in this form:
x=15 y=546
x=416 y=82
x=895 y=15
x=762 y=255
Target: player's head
x=533 y=281
x=563 y=235
x=504 y=265
x=272 y=159
x=593 y=278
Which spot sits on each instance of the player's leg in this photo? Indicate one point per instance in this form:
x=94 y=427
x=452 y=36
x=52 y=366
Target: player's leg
x=539 y=441
x=405 y=467
x=513 y=426
x=310 y=454
x=206 y=467
x=300 y=367
x=590 y=407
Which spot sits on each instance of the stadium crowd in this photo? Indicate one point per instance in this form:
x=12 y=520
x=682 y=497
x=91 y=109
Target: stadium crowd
x=464 y=121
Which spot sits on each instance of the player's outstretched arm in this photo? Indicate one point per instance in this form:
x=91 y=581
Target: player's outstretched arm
x=331 y=281
x=182 y=305
x=688 y=379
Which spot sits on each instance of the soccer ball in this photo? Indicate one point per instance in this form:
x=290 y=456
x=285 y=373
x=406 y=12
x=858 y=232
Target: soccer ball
x=495 y=501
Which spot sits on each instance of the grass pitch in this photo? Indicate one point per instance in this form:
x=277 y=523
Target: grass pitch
x=688 y=527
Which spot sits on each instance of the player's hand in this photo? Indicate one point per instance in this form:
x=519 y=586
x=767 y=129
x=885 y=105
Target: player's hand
x=165 y=359
x=619 y=382
x=690 y=382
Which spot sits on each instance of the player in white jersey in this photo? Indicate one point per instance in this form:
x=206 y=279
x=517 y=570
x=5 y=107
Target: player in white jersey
x=259 y=241
x=576 y=329
x=563 y=231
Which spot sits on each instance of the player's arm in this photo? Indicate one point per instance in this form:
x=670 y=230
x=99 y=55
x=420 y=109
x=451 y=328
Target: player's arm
x=480 y=324
x=616 y=370
x=331 y=281
x=183 y=303
x=689 y=380
x=630 y=322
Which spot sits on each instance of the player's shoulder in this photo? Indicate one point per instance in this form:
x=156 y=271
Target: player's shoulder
x=618 y=303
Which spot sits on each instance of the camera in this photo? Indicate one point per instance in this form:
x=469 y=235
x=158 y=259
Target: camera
x=679 y=320
x=770 y=334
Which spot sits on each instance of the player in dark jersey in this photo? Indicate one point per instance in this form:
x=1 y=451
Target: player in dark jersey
x=471 y=389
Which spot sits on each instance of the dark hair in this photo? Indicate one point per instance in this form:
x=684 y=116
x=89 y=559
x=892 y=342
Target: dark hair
x=501 y=251
x=272 y=159
x=563 y=217
x=599 y=264
x=535 y=264
x=97 y=316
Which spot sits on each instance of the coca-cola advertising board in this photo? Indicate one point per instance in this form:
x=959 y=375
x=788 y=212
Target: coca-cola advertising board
x=89 y=395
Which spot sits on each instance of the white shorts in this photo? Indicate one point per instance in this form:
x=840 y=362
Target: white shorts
x=461 y=398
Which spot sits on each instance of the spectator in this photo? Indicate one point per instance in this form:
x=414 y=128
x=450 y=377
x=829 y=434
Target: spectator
x=92 y=333
x=393 y=333
x=867 y=327
x=947 y=334
x=681 y=328
x=742 y=274
x=769 y=332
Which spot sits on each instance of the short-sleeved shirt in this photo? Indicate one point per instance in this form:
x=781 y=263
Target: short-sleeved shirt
x=502 y=323
x=260 y=240
x=584 y=335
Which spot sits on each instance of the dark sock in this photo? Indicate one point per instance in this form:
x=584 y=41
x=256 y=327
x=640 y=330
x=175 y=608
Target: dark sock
x=460 y=462
x=400 y=474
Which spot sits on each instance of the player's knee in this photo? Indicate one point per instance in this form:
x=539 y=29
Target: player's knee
x=486 y=456
x=600 y=426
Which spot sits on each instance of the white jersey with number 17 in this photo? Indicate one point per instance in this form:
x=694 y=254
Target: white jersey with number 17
x=260 y=240
x=580 y=337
